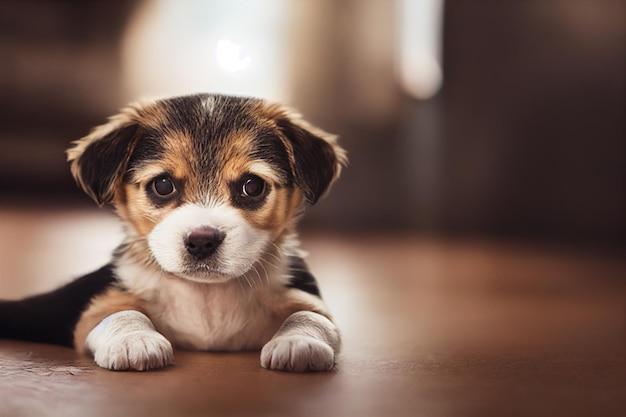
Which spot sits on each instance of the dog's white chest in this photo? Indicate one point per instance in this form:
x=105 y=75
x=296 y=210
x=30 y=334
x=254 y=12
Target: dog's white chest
x=212 y=316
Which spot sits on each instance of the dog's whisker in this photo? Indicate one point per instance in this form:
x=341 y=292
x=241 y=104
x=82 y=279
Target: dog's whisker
x=251 y=280
x=258 y=275
x=279 y=260
x=271 y=264
x=248 y=278
x=266 y=275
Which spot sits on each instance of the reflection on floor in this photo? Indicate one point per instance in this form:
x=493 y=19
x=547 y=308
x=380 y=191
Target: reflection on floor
x=431 y=327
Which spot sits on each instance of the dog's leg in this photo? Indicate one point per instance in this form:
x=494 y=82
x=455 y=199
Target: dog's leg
x=119 y=336
x=307 y=341
x=127 y=340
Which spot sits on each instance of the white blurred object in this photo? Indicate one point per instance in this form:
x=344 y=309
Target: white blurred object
x=419 y=46
x=189 y=46
x=230 y=57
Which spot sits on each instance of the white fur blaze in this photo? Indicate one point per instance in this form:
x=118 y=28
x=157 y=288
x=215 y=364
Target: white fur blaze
x=307 y=341
x=241 y=248
x=128 y=340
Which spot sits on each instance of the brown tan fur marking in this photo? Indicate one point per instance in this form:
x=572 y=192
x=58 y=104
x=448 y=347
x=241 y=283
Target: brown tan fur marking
x=296 y=300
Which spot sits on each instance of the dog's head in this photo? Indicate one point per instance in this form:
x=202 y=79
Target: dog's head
x=207 y=182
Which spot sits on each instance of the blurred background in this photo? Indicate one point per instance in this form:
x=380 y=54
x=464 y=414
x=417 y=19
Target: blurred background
x=473 y=251
x=461 y=118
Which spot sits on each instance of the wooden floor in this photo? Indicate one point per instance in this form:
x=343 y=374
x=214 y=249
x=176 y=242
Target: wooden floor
x=431 y=328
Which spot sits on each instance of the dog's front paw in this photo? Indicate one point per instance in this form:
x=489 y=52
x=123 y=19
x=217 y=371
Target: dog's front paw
x=128 y=340
x=297 y=353
x=141 y=350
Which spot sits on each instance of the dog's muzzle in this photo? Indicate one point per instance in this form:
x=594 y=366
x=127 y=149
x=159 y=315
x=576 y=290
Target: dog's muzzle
x=202 y=243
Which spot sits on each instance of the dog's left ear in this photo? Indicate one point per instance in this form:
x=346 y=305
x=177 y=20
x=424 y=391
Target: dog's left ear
x=317 y=159
x=98 y=160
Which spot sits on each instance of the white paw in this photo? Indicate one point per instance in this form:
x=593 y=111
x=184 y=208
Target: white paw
x=297 y=353
x=128 y=340
x=140 y=350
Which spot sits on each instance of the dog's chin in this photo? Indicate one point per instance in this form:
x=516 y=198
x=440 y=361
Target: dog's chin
x=204 y=276
x=208 y=274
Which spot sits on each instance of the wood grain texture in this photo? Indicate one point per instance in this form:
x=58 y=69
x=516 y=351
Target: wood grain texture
x=430 y=328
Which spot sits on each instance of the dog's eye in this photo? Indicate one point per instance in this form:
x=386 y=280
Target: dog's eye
x=253 y=186
x=163 y=186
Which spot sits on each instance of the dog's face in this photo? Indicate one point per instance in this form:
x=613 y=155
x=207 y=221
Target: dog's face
x=206 y=182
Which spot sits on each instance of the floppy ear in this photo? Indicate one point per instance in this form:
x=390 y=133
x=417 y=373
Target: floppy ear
x=99 y=159
x=316 y=157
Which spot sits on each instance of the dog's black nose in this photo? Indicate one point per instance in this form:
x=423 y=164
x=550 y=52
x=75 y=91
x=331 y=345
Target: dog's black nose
x=201 y=243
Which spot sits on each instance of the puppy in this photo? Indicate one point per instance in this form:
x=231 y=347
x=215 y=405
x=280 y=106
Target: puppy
x=209 y=189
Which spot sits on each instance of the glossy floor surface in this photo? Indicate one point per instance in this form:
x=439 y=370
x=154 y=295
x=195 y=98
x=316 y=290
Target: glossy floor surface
x=431 y=328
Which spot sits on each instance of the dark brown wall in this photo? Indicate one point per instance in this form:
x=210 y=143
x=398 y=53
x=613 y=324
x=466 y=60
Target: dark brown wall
x=534 y=139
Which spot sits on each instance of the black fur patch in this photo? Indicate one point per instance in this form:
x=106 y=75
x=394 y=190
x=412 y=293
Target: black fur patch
x=301 y=278
x=102 y=162
x=269 y=148
x=51 y=317
x=148 y=149
x=315 y=160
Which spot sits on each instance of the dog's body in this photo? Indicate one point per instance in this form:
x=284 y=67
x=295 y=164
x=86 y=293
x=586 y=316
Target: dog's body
x=210 y=189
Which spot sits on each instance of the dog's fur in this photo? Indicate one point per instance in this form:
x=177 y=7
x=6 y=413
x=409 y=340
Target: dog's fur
x=209 y=189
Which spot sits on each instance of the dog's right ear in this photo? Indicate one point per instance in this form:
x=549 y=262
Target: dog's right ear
x=98 y=160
